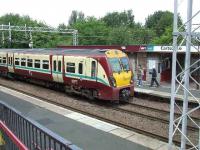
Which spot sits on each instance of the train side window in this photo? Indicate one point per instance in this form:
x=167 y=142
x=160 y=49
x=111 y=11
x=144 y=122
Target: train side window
x=93 y=69
x=17 y=61
x=45 y=64
x=54 y=65
x=37 y=63
x=80 y=68
x=4 y=60
x=30 y=62
x=23 y=61
x=59 y=66
x=70 y=67
x=0 y=60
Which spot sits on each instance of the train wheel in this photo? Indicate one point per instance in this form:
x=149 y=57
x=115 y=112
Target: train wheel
x=90 y=95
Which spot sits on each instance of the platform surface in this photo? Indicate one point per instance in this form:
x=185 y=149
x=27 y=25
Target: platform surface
x=164 y=90
x=83 y=131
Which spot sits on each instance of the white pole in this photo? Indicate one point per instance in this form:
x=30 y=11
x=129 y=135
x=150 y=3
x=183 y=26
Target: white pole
x=186 y=75
x=173 y=81
x=10 y=35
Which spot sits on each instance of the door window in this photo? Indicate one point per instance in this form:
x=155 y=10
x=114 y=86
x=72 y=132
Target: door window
x=11 y=60
x=59 y=66
x=54 y=65
x=93 y=69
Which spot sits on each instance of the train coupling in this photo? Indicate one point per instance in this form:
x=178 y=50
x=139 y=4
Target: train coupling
x=124 y=95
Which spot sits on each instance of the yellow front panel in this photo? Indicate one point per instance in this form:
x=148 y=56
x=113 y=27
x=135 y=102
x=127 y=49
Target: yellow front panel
x=115 y=53
x=123 y=78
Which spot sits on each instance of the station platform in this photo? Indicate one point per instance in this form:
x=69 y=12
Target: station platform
x=164 y=91
x=83 y=131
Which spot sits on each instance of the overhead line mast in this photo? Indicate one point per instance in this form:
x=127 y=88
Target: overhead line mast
x=178 y=126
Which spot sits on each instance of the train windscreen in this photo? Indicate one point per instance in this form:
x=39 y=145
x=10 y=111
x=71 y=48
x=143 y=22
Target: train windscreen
x=115 y=64
x=125 y=63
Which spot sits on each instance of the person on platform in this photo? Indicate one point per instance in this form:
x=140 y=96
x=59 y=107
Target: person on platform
x=153 y=77
x=139 y=75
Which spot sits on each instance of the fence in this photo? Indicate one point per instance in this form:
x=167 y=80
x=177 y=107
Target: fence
x=30 y=133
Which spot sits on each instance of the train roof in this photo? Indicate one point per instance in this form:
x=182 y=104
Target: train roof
x=59 y=51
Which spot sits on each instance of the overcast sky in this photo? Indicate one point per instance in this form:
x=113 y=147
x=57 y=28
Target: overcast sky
x=54 y=12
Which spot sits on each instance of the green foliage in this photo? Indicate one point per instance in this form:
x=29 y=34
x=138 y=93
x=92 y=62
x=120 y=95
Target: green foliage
x=75 y=17
x=120 y=35
x=165 y=38
x=118 y=19
x=22 y=39
x=159 y=21
x=115 y=28
x=91 y=31
x=142 y=36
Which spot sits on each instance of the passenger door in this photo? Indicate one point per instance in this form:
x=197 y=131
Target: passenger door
x=81 y=70
x=91 y=69
x=57 y=68
x=10 y=62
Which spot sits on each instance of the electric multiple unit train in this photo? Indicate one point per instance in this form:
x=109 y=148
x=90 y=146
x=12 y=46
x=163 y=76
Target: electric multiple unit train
x=104 y=74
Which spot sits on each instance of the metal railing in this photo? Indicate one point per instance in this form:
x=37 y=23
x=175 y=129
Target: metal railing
x=33 y=135
x=9 y=140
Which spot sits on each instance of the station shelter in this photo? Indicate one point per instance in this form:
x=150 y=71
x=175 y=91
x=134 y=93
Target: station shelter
x=160 y=58
x=149 y=57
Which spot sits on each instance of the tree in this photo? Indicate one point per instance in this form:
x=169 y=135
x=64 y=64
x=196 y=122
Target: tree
x=75 y=17
x=119 y=36
x=142 y=35
x=19 y=40
x=22 y=39
x=165 y=38
x=118 y=19
x=159 y=21
x=91 y=31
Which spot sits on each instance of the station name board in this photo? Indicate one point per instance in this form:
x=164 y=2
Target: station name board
x=170 y=49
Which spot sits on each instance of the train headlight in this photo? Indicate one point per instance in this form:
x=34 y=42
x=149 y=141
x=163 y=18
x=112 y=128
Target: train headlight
x=132 y=79
x=131 y=82
x=113 y=81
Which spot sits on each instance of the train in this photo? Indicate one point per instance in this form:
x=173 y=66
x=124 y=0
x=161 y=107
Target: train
x=104 y=74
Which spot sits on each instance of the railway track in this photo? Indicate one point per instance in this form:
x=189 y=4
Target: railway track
x=153 y=114
x=111 y=120
x=93 y=115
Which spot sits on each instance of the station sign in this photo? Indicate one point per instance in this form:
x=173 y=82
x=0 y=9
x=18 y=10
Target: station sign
x=170 y=49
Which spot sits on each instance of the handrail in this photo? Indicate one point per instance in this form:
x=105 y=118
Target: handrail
x=15 y=140
x=31 y=133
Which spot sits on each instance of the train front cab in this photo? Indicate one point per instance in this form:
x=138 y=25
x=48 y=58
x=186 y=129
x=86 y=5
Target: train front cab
x=121 y=76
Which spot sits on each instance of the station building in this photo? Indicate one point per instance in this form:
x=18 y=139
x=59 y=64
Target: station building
x=160 y=57
x=149 y=56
